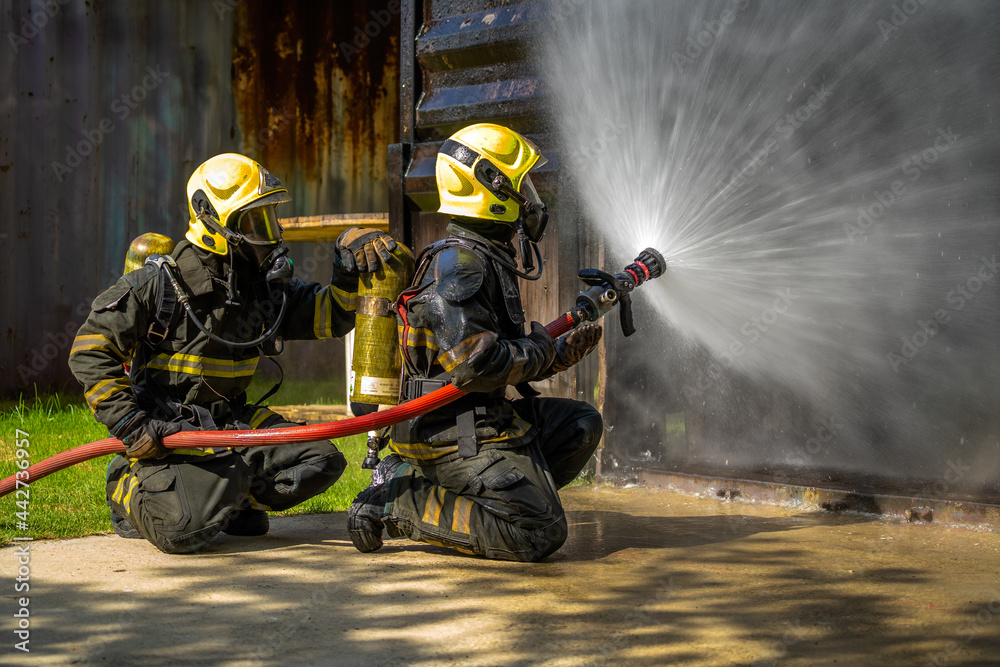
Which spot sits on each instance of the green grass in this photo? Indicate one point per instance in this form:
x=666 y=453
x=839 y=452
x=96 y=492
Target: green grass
x=299 y=392
x=71 y=503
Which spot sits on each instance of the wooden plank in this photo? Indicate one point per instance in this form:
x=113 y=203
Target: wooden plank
x=329 y=227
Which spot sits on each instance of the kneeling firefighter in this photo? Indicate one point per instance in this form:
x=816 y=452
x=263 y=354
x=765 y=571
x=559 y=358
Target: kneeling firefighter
x=189 y=328
x=480 y=475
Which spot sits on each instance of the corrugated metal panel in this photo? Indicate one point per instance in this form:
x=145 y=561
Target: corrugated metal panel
x=464 y=62
x=472 y=62
x=108 y=107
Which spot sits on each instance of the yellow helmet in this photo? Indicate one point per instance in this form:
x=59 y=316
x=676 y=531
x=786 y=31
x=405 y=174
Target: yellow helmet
x=482 y=172
x=231 y=198
x=145 y=245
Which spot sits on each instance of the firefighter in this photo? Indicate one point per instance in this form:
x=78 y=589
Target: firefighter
x=192 y=326
x=480 y=475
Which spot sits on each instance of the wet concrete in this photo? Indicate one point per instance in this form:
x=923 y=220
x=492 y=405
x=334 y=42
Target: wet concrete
x=648 y=577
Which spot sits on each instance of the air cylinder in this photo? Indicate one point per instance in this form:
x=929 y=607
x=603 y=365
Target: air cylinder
x=375 y=367
x=145 y=245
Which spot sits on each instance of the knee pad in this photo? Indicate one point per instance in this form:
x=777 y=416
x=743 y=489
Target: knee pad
x=592 y=425
x=311 y=477
x=551 y=539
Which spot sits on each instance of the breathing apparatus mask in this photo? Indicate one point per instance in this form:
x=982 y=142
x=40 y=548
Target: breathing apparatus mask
x=256 y=237
x=261 y=243
x=532 y=213
x=257 y=240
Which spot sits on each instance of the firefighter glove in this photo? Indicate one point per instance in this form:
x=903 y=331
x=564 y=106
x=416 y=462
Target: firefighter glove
x=575 y=345
x=361 y=248
x=543 y=340
x=142 y=436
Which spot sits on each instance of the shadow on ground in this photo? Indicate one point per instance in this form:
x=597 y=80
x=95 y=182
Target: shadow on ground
x=711 y=587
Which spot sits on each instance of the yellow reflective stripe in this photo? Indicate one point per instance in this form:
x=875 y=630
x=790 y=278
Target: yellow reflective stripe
x=421 y=451
x=256 y=504
x=346 y=300
x=419 y=338
x=449 y=359
x=517 y=428
x=432 y=508
x=259 y=416
x=448 y=545
x=104 y=390
x=195 y=365
x=194 y=451
x=322 y=317
x=463 y=512
x=95 y=342
x=117 y=495
x=134 y=482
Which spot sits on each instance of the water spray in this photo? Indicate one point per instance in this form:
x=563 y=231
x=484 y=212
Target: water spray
x=604 y=292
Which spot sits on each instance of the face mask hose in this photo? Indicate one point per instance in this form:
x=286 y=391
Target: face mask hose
x=591 y=304
x=183 y=299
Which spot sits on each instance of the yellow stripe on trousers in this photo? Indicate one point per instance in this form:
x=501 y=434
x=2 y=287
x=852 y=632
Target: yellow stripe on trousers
x=432 y=508
x=463 y=512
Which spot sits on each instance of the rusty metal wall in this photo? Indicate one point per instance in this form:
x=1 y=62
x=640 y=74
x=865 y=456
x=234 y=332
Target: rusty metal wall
x=107 y=107
x=465 y=62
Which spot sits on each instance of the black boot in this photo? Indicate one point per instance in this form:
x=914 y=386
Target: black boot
x=247 y=523
x=364 y=518
x=122 y=527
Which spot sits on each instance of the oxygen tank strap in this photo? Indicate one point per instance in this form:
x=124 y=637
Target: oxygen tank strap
x=377 y=306
x=167 y=312
x=466 y=423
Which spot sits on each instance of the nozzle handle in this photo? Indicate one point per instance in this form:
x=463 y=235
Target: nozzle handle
x=625 y=314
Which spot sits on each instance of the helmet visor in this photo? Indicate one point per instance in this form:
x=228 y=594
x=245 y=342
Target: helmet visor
x=534 y=216
x=529 y=191
x=259 y=225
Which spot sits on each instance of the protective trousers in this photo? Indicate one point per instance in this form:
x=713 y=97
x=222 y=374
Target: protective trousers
x=181 y=502
x=500 y=503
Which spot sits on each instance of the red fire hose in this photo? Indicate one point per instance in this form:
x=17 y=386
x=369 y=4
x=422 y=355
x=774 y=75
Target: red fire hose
x=262 y=437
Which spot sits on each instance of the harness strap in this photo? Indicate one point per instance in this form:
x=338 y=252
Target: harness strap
x=167 y=311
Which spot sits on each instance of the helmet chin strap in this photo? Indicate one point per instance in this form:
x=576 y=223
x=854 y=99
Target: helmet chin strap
x=529 y=248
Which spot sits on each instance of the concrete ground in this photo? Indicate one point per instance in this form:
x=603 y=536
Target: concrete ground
x=648 y=577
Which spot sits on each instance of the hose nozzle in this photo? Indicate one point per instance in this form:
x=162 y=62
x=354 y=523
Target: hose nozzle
x=607 y=290
x=649 y=264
